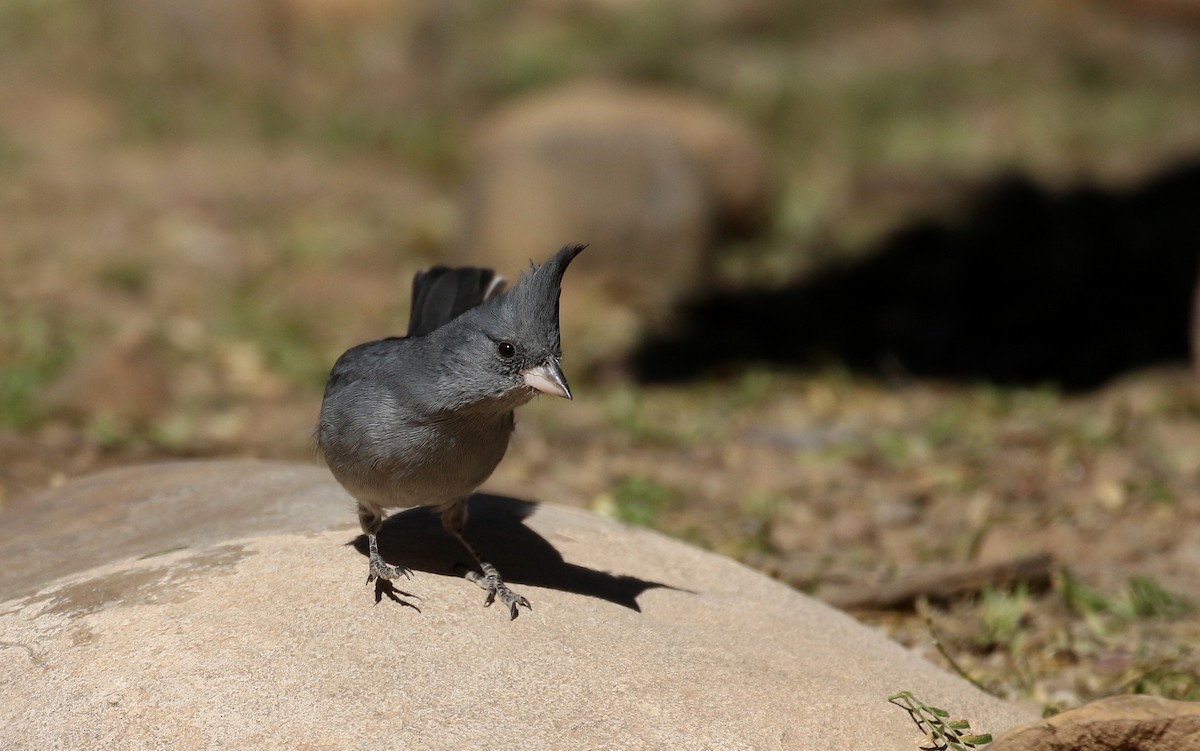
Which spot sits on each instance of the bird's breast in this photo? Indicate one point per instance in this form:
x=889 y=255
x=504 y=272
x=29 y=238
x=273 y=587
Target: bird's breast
x=404 y=461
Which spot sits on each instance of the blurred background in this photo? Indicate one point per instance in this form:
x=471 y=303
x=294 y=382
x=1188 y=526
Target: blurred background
x=874 y=288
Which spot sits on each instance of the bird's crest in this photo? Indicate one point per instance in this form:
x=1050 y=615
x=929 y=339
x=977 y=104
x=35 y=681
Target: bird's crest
x=532 y=304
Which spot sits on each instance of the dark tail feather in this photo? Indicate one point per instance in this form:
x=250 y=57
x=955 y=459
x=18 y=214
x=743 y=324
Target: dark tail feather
x=441 y=294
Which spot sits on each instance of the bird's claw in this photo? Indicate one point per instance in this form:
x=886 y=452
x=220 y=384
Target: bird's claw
x=509 y=598
x=379 y=569
x=498 y=590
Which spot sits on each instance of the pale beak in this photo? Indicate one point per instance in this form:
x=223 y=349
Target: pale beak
x=547 y=378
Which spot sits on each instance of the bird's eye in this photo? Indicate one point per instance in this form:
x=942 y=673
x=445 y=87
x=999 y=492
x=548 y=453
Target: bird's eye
x=506 y=350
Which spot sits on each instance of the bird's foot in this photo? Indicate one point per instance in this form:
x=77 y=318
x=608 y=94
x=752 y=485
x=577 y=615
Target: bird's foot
x=497 y=590
x=379 y=569
x=382 y=574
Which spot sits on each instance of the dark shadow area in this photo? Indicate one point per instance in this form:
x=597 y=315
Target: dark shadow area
x=1030 y=287
x=414 y=538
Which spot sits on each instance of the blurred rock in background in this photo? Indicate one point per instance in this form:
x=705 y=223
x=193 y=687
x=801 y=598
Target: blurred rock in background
x=652 y=179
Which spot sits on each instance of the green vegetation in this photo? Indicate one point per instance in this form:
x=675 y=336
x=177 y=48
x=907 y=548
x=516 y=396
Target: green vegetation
x=1001 y=616
x=941 y=732
x=1144 y=598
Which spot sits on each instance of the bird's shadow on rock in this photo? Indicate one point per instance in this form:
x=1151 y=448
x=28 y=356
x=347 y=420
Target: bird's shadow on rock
x=414 y=538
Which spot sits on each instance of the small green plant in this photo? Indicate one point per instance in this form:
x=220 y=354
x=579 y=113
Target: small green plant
x=1144 y=598
x=1080 y=598
x=1147 y=599
x=1167 y=680
x=941 y=733
x=1002 y=613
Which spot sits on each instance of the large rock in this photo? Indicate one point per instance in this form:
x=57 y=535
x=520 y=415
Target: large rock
x=131 y=512
x=269 y=639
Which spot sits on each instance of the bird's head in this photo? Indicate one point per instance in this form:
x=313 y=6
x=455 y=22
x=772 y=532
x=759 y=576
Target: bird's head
x=511 y=344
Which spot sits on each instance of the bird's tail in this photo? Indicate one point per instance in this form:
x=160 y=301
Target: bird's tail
x=441 y=294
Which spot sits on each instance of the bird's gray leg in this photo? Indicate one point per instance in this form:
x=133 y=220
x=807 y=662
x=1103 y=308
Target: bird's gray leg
x=377 y=568
x=454 y=521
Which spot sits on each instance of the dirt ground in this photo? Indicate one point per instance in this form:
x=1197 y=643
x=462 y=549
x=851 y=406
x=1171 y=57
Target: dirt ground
x=184 y=256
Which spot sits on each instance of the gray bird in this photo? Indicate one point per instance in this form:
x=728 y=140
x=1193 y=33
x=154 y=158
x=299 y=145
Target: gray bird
x=425 y=419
